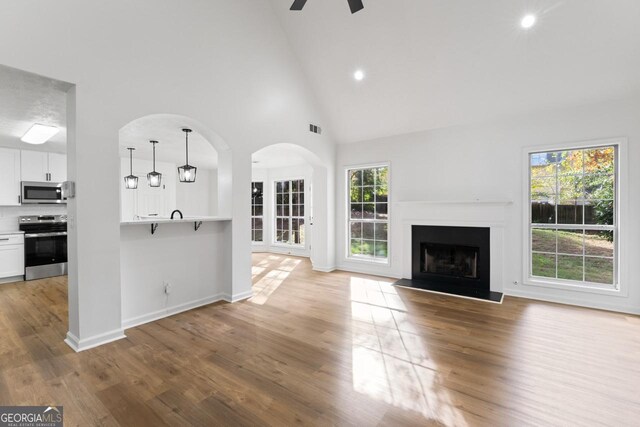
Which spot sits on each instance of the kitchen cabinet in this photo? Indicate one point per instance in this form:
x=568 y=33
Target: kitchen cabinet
x=9 y=177
x=42 y=166
x=11 y=255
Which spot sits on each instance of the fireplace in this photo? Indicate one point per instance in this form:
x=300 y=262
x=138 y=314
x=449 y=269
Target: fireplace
x=453 y=260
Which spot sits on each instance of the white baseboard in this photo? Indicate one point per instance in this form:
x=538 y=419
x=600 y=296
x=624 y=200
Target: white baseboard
x=521 y=293
x=369 y=271
x=323 y=269
x=11 y=279
x=237 y=297
x=86 y=343
x=170 y=311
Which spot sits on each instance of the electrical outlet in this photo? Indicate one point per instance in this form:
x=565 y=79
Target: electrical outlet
x=167 y=288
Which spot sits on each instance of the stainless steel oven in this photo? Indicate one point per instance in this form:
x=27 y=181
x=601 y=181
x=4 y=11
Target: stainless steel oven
x=45 y=245
x=42 y=192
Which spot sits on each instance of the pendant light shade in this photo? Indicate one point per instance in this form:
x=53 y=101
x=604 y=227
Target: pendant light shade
x=154 y=178
x=187 y=173
x=131 y=181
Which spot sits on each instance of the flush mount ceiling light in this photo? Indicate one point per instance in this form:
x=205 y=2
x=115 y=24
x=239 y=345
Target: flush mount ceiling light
x=39 y=134
x=358 y=75
x=528 y=21
x=154 y=178
x=354 y=5
x=187 y=173
x=131 y=181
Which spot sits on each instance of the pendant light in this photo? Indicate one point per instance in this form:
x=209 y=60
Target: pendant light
x=131 y=181
x=187 y=173
x=154 y=178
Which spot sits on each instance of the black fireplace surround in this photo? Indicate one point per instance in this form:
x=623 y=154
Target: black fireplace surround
x=453 y=260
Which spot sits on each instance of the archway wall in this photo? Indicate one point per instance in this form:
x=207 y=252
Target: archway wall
x=225 y=64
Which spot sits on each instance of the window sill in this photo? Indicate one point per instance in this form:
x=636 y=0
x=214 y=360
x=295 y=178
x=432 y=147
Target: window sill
x=574 y=287
x=370 y=261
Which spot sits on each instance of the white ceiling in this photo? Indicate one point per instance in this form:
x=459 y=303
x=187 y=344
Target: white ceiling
x=437 y=63
x=26 y=99
x=167 y=130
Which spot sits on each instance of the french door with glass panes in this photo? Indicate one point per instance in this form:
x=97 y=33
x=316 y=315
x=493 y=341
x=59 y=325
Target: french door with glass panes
x=289 y=212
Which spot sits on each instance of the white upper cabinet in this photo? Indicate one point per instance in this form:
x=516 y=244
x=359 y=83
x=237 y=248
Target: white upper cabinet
x=9 y=177
x=57 y=167
x=43 y=166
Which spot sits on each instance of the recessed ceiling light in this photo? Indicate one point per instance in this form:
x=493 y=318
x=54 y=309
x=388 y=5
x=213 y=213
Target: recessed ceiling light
x=528 y=21
x=358 y=75
x=39 y=134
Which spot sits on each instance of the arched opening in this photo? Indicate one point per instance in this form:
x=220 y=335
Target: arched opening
x=175 y=242
x=289 y=215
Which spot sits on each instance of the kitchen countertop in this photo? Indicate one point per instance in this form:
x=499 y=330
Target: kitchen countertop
x=169 y=220
x=11 y=232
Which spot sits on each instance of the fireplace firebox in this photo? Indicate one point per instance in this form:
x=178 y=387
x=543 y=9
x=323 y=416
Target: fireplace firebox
x=453 y=260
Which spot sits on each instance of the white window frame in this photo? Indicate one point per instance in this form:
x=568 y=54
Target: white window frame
x=274 y=206
x=620 y=262
x=263 y=217
x=347 y=210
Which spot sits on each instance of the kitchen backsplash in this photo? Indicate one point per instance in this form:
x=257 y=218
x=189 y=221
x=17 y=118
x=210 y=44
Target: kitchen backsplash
x=9 y=214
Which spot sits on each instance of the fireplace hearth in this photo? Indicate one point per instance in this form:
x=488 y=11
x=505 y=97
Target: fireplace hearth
x=452 y=260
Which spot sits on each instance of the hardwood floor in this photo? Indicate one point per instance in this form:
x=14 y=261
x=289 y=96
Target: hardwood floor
x=323 y=349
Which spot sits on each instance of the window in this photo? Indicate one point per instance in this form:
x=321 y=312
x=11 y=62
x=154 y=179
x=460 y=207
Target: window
x=257 y=212
x=290 y=212
x=369 y=213
x=573 y=224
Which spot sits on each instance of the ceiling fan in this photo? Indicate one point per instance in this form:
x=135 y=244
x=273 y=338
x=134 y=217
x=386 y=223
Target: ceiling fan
x=354 y=5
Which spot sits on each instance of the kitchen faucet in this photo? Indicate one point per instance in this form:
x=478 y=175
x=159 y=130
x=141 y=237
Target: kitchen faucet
x=173 y=213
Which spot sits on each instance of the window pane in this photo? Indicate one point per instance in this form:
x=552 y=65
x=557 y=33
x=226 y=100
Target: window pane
x=381 y=211
x=257 y=236
x=257 y=223
x=599 y=270
x=356 y=246
x=543 y=189
x=543 y=265
x=368 y=194
x=600 y=187
x=355 y=178
x=570 y=212
x=570 y=242
x=570 y=267
x=543 y=213
x=356 y=230
x=600 y=160
x=368 y=211
x=381 y=249
x=570 y=162
x=543 y=164
x=599 y=243
x=368 y=230
x=356 y=210
x=368 y=177
x=381 y=231
x=543 y=240
x=599 y=212
x=368 y=247
x=570 y=188
x=295 y=210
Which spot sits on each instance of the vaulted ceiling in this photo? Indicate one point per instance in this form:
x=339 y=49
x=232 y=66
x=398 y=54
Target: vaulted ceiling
x=438 y=63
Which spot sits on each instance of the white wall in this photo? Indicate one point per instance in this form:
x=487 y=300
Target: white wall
x=196 y=264
x=269 y=177
x=127 y=60
x=486 y=162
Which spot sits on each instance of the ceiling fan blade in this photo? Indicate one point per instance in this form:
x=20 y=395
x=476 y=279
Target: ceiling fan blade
x=355 y=5
x=298 y=4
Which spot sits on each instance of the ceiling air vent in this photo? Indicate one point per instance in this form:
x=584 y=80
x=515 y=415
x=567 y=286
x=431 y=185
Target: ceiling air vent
x=315 y=129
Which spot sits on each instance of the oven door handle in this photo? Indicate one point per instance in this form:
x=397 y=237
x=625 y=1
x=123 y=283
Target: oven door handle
x=31 y=236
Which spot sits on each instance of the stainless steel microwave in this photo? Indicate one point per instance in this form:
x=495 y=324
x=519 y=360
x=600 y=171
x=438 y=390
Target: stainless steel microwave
x=42 y=192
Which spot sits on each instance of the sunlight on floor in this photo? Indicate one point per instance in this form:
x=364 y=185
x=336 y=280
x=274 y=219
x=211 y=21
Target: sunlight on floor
x=390 y=361
x=267 y=285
